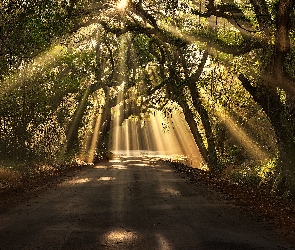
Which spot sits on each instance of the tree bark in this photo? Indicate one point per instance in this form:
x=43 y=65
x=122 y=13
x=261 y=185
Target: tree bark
x=212 y=159
x=212 y=156
x=72 y=133
x=275 y=74
x=189 y=117
x=270 y=102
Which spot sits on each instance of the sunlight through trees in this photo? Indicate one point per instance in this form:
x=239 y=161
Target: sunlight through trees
x=208 y=81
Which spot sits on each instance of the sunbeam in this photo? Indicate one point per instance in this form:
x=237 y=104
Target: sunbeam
x=78 y=114
x=94 y=139
x=122 y=4
x=78 y=41
x=28 y=70
x=117 y=115
x=238 y=132
x=156 y=125
x=185 y=139
x=175 y=142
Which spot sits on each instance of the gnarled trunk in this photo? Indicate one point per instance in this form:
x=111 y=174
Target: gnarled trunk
x=212 y=159
x=189 y=117
x=270 y=102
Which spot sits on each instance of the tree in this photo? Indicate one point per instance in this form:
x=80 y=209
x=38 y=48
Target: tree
x=168 y=48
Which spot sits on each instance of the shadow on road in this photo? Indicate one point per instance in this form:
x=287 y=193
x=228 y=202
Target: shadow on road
x=132 y=202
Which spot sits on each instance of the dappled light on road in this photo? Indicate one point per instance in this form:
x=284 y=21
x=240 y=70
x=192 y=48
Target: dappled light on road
x=106 y=178
x=119 y=167
x=141 y=203
x=78 y=181
x=115 y=160
x=163 y=242
x=124 y=112
x=170 y=191
x=100 y=167
x=120 y=236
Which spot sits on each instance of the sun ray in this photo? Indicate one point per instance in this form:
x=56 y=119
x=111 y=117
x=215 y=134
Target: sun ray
x=237 y=131
x=49 y=58
x=122 y=4
x=94 y=139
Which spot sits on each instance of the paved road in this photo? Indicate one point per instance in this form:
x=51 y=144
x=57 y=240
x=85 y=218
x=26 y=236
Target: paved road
x=132 y=203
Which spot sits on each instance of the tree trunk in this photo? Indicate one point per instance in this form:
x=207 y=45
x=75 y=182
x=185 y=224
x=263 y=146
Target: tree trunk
x=212 y=156
x=211 y=159
x=275 y=74
x=102 y=142
x=72 y=133
x=270 y=102
x=103 y=139
x=189 y=117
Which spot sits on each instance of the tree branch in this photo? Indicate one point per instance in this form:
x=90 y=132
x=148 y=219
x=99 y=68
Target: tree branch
x=236 y=50
x=194 y=77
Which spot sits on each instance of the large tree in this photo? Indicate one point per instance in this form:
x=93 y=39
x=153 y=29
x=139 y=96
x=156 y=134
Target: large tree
x=169 y=46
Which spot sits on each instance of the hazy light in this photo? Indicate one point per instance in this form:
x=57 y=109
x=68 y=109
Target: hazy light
x=78 y=114
x=116 y=118
x=122 y=4
x=238 y=132
x=157 y=133
x=176 y=143
x=28 y=70
x=188 y=38
x=127 y=136
x=50 y=58
x=94 y=139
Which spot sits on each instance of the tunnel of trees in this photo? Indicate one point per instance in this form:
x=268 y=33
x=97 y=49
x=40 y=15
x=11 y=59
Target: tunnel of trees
x=228 y=66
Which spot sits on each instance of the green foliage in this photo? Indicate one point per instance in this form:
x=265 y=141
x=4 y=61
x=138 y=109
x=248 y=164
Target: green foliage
x=28 y=28
x=169 y=6
x=141 y=43
x=228 y=36
x=37 y=113
x=264 y=174
x=246 y=177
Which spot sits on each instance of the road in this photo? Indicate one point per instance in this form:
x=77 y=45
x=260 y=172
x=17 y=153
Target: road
x=132 y=203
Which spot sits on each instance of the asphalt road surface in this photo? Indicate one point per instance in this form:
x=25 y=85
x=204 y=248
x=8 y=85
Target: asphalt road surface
x=132 y=203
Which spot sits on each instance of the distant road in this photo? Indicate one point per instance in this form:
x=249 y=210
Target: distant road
x=132 y=203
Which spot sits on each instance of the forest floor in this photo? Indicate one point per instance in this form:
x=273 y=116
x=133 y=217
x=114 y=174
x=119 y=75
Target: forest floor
x=279 y=212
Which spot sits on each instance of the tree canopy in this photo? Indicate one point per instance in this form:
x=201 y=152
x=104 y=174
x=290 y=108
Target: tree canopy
x=226 y=65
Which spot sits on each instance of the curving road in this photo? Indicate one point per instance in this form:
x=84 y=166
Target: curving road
x=132 y=203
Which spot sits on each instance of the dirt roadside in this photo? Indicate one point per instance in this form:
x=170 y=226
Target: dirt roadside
x=11 y=195
x=279 y=211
